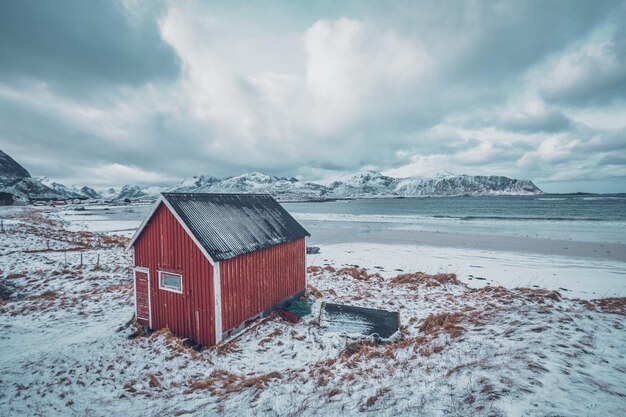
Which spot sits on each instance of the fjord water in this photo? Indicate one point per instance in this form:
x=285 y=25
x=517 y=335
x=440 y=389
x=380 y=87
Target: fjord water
x=583 y=218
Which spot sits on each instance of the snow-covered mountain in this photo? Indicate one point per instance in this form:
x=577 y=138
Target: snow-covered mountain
x=90 y=193
x=134 y=192
x=451 y=185
x=372 y=184
x=368 y=184
x=63 y=191
x=285 y=189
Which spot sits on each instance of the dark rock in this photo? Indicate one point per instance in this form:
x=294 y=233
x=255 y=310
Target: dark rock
x=312 y=250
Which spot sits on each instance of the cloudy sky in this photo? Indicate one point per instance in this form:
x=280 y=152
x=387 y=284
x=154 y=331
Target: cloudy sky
x=144 y=92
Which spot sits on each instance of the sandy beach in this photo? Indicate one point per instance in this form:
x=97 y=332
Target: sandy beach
x=330 y=232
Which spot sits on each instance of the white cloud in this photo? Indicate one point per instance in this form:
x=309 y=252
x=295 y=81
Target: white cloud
x=107 y=174
x=552 y=149
x=350 y=63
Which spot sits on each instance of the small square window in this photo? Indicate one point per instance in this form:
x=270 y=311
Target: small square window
x=170 y=282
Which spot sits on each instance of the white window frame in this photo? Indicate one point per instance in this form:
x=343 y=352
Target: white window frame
x=170 y=289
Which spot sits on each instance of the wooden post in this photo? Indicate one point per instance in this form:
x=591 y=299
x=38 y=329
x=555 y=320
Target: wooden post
x=81 y=259
x=65 y=254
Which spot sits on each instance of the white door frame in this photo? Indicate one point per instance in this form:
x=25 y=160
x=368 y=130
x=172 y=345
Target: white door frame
x=217 y=302
x=147 y=272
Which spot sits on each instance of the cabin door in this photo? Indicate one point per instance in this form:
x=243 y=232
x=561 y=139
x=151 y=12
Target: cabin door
x=143 y=308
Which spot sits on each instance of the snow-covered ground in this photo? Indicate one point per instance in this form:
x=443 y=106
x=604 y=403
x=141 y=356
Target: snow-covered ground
x=110 y=219
x=491 y=351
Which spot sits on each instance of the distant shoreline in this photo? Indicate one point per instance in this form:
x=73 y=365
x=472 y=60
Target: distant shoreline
x=326 y=200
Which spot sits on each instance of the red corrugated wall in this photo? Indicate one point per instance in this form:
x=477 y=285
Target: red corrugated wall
x=255 y=281
x=164 y=245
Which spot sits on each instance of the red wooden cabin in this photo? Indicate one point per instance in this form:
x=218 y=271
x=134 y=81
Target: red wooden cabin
x=206 y=264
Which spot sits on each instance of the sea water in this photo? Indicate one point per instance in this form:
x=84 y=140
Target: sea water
x=590 y=218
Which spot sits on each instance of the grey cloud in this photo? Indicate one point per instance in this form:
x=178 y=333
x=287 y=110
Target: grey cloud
x=80 y=46
x=508 y=38
x=607 y=141
x=613 y=160
x=550 y=121
x=597 y=88
x=602 y=78
x=49 y=145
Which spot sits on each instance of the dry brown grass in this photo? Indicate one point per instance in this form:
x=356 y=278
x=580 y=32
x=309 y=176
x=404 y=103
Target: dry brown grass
x=37 y=217
x=129 y=386
x=333 y=392
x=360 y=274
x=270 y=337
x=127 y=287
x=613 y=305
x=258 y=382
x=294 y=335
x=173 y=343
x=311 y=291
x=364 y=350
x=113 y=240
x=223 y=382
x=477 y=363
x=538 y=295
x=536 y=368
x=316 y=270
x=215 y=383
x=48 y=295
x=414 y=280
x=227 y=347
x=499 y=297
x=447 y=322
x=496 y=292
x=165 y=332
x=374 y=398
x=154 y=382
x=313 y=270
x=53 y=231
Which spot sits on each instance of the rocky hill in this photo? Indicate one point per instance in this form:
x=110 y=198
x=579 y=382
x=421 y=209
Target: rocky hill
x=11 y=170
x=15 y=179
x=450 y=185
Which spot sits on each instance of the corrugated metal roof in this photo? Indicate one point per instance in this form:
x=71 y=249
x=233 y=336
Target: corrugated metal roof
x=229 y=225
